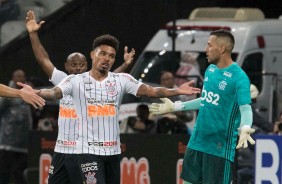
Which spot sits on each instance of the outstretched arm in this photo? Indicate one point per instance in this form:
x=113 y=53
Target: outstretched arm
x=128 y=58
x=54 y=93
x=169 y=106
x=6 y=91
x=39 y=51
x=25 y=93
x=160 y=92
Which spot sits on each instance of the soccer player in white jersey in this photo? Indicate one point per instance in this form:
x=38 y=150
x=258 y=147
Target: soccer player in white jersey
x=64 y=168
x=97 y=95
x=223 y=108
x=27 y=96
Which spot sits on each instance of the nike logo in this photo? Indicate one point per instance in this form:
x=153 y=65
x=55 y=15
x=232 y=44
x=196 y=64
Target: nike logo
x=88 y=89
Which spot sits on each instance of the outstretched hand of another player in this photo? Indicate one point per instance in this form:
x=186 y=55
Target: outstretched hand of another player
x=245 y=136
x=31 y=23
x=28 y=94
x=162 y=108
x=187 y=89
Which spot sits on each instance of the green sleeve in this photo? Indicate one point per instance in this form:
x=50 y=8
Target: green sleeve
x=246 y=115
x=188 y=105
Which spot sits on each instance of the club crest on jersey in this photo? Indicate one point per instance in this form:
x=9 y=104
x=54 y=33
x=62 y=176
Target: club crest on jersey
x=111 y=87
x=206 y=79
x=222 y=85
x=90 y=178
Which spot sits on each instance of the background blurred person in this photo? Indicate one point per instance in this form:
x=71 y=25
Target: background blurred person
x=278 y=125
x=259 y=123
x=16 y=121
x=174 y=123
x=189 y=69
x=140 y=123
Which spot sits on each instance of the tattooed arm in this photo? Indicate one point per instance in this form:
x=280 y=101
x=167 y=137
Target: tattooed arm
x=54 y=93
x=160 y=92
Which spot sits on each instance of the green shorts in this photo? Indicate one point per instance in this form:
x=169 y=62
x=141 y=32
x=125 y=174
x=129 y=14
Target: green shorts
x=203 y=168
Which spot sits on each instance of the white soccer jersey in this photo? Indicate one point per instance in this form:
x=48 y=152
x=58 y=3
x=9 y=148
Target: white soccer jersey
x=67 y=121
x=97 y=105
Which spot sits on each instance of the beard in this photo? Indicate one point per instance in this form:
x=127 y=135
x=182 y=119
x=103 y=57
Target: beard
x=103 y=71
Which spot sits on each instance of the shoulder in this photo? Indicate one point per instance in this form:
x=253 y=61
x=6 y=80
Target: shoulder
x=125 y=76
x=239 y=71
x=211 y=68
x=56 y=71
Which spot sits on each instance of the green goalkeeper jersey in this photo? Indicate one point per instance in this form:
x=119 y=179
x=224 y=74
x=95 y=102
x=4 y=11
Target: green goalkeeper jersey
x=216 y=128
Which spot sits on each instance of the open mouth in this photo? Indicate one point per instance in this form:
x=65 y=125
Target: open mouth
x=105 y=65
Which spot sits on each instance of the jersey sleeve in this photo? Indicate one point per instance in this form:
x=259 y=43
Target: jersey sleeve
x=57 y=76
x=66 y=85
x=131 y=84
x=243 y=90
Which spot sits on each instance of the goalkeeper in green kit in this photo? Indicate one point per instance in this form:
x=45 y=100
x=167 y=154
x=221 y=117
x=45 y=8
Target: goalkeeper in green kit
x=224 y=113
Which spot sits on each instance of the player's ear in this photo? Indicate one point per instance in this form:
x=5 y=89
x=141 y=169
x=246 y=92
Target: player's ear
x=92 y=53
x=222 y=48
x=66 y=66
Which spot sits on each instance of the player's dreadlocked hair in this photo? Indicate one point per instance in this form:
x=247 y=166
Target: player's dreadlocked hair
x=106 y=40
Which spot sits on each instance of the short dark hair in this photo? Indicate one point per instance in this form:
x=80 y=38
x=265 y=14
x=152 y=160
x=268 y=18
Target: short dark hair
x=226 y=34
x=106 y=40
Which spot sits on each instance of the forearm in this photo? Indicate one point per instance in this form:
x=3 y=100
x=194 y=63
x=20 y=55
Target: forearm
x=41 y=54
x=188 y=105
x=39 y=51
x=246 y=115
x=51 y=94
x=6 y=91
x=160 y=92
x=121 y=68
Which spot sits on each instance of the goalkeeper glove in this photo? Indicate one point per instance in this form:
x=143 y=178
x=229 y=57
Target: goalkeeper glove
x=167 y=106
x=245 y=135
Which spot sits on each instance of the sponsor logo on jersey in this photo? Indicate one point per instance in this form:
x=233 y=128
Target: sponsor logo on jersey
x=130 y=78
x=68 y=79
x=101 y=110
x=211 y=69
x=227 y=74
x=89 y=166
x=67 y=113
x=66 y=143
x=210 y=97
x=87 y=82
x=222 y=85
x=94 y=101
x=66 y=103
x=103 y=144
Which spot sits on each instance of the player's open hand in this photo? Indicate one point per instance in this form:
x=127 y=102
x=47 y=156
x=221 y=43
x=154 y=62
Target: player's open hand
x=187 y=89
x=29 y=95
x=31 y=23
x=128 y=56
x=245 y=136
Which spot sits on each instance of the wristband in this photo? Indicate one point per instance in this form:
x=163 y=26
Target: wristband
x=177 y=106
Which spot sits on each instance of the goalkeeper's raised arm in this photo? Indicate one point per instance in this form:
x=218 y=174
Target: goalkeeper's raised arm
x=169 y=106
